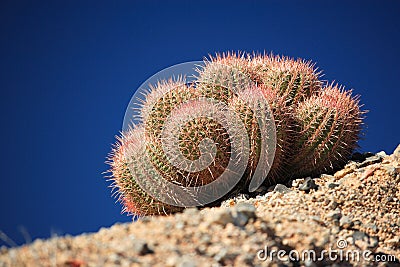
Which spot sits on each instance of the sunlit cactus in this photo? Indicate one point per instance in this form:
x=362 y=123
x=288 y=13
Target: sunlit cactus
x=315 y=129
x=329 y=128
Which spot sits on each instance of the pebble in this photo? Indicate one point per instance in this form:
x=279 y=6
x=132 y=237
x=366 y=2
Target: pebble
x=335 y=229
x=247 y=209
x=334 y=215
x=345 y=222
x=219 y=257
x=282 y=189
x=308 y=184
x=368 y=172
x=242 y=213
x=332 y=185
x=327 y=177
x=381 y=154
x=358 y=235
x=220 y=216
x=141 y=248
x=343 y=173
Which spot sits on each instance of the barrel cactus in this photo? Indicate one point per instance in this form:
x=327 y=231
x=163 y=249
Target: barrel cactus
x=184 y=142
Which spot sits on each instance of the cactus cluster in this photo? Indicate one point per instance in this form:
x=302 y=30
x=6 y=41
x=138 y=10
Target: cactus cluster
x=317 y=128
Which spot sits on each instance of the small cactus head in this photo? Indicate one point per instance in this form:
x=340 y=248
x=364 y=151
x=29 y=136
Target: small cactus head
x=127 y=189
x=329 y=128
x=294 y=80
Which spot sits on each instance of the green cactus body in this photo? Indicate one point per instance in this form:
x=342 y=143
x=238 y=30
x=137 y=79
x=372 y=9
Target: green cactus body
x=329 y=127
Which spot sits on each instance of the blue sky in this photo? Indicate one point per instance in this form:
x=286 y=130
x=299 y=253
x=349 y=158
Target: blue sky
x=69 y=68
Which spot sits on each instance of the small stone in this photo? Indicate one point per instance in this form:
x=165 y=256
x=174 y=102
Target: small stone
x=327 y=176
x=335 y=229
x=334 y=215
x=247 y=209
x=282 y=189
x=221 y=216
x=205 y=238
x=219 y=257
x=368 y=172
x=114 y=258
x=345 y=222
x=358 y=235
x=317 y=219
x=381 y=154
x=172 y=260
x=296 y=183
x=141 y=248
x=179 y=225
x=333 y=205
x=343 y=173
x=308 y=184
x=242 y=213
x=332 y=185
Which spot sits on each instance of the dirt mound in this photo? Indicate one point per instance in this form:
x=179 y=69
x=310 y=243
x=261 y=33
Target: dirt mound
x=349 y=218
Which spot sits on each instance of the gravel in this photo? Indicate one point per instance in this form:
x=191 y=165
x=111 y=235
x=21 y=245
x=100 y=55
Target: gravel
x=355 y=210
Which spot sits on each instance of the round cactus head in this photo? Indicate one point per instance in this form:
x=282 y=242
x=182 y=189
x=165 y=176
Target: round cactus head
x=329 y=127
x=294 y=80
x=134 y=199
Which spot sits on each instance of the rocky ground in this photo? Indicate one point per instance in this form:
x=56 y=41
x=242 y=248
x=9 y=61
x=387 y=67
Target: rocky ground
x=351 y=218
